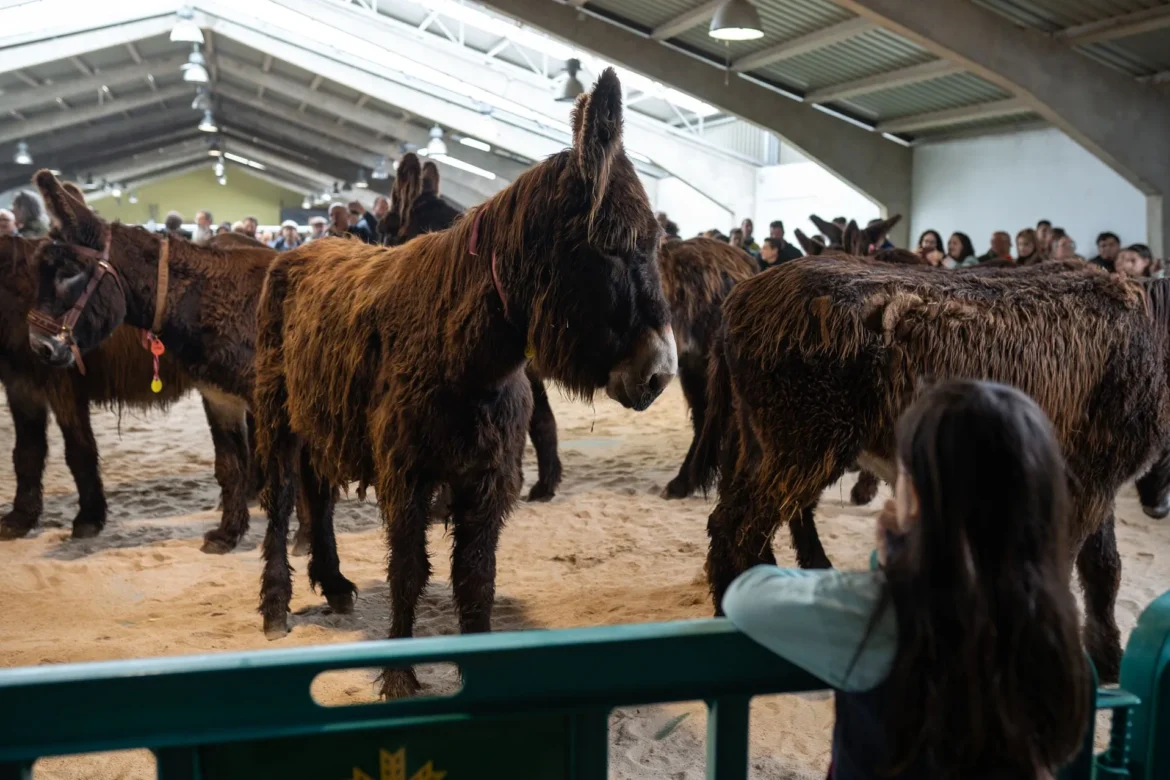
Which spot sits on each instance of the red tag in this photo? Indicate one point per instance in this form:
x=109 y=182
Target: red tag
x=156 y=347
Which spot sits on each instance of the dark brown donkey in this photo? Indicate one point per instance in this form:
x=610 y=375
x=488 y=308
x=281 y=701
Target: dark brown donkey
x=403 y=368
x=205 y=317
x=117 y=375
x=847 y=343
x=697 y=274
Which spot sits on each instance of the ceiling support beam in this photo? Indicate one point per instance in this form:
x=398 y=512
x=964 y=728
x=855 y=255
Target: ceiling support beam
x=13 y=131
x=686 y=21
x=818 y=39
x=1120 y=121
x=29 y=98
x=30 y=55
x=952 y=116
x=1115 y=27
x=902 y=77
x=863 y=159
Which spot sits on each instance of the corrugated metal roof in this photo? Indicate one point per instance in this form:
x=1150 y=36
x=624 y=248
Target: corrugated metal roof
x=647 y=13
x=976 y=126
x=960 y=89
x=872 y=52
x=1138 y=55
x=781 y=20
x=1052 y=15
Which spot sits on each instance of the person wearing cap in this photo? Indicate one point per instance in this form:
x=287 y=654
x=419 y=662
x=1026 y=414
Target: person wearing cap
x=317 y=226
x=289 y=237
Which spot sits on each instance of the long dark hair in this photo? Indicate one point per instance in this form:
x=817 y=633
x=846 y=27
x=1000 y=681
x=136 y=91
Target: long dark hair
x=407 y=186
x=968 y=249
x=989 y=671
x=937 y=240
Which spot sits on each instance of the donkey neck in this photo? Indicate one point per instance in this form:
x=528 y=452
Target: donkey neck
x=138 y=265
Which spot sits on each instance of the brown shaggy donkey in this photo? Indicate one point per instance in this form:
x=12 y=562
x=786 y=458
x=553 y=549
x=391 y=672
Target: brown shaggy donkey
x=116 y=375
x=207 y=323
x=404 y=368
x=696 y=274
x=847 y=344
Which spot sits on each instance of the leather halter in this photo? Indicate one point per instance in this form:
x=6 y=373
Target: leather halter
x=61 y=328
x=473 y=250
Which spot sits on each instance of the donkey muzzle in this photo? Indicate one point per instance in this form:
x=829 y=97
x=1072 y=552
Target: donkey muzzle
x=638 y=380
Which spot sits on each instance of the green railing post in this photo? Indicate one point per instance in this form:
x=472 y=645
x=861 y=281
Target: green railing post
x=727 y=737
x=589 y=750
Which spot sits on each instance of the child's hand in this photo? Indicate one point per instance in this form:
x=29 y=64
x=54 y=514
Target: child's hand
x=887 y=520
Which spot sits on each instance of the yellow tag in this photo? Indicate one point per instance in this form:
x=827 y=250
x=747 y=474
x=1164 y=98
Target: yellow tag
x=530 y=352
x=156 y=385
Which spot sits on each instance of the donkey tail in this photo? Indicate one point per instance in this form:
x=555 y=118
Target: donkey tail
x=271 y=392
x=718 y=419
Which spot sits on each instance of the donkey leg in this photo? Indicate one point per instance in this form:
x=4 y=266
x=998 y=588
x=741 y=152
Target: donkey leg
x=1099 y=567
x=865 y=490
x=542 y=429
x=1154 y=488
x=319 y=499
x=81 y=455
x=256 y=474
x=481 y=504
x=806 y=541
x=303 y=539
x=30 y=419
x=229 y=435
x=280 y=496
x=405 y=513
x=692 y=375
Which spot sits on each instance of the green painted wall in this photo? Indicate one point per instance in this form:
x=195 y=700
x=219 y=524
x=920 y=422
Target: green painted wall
x=243 y=196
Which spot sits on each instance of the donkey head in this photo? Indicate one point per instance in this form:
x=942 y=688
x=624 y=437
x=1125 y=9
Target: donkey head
x=849 y=240
x=587 y=240
x=73 y=262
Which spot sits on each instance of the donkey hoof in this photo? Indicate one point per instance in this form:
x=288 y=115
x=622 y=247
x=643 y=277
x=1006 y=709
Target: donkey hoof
x=300 y=547
x=676 y=488
x=216 y=543
x=341 y=603
x=1159 y=512
x=399 y=684
x=86 y=530
x=275 y=628
x=541 y=492
x=15 y=525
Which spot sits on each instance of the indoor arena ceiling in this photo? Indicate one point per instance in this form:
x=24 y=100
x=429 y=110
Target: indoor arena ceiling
x=818 y=52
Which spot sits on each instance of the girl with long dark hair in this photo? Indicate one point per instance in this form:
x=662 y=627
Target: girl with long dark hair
x=961 y=657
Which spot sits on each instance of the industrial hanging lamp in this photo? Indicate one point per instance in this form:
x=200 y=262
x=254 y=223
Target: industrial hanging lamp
x=195 y=68
x=570 y=87
x=736 y=20
x=185 y=30
x=436 y=145
x=208 y=124
x=22 y=157
x=361 y=182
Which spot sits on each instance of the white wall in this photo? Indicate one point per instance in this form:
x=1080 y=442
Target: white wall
x=793 y=191
x=1008 y=182
x=692 y=211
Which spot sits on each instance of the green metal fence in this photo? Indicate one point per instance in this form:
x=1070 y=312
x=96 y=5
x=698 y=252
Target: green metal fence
x=533 y=705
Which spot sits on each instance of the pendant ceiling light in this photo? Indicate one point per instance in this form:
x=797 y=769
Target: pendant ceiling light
x=208 y=124
x=223 y=180
x=361 y=182
x=436 y=145
x=22 y=157
x=133 y=198
x=185 y=30
x=381 y=170
x=736 y=20
x=307 y=203
x=202 y=101
x=570 y=87
x=195 y=68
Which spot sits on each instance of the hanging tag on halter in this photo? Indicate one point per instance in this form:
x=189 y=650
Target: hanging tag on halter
x=156 y=385
x=156 y=346
x=153 y=344
x=530 y=352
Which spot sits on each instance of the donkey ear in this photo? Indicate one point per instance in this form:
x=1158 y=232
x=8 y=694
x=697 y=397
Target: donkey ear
x=61 y=205
x=828 y=229
x=597 y=124
x=851 y=240
x=810 y=247
x=876 y=233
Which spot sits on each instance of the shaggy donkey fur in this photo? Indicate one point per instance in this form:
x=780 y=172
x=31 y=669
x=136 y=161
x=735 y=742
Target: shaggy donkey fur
x=847 y=344
x=208 y=329
x=404 y=367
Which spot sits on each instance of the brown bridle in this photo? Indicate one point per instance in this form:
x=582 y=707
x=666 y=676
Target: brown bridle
x=61 y=328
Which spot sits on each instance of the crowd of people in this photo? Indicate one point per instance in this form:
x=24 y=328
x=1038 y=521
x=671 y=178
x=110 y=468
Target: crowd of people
x=345 y=219
x=1032 y=245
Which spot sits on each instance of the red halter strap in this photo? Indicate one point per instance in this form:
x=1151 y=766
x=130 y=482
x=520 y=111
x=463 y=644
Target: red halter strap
x=61 y=329
x=473 y=251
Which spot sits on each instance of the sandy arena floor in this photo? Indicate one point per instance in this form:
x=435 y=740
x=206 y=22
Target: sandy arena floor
x=606 y=550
